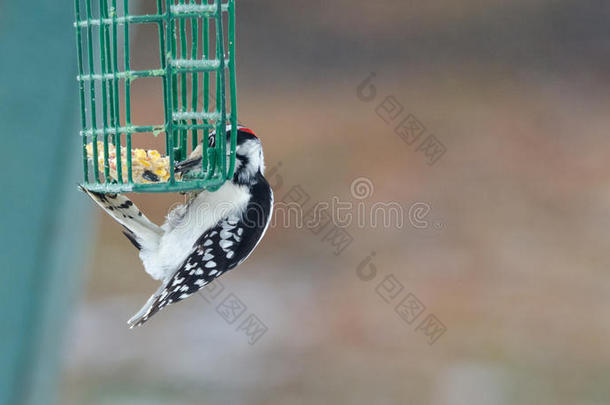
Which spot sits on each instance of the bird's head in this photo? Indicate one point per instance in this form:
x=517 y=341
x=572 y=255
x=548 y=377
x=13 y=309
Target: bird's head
x=249 y=158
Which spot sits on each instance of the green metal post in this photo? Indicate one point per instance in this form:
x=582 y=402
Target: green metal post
x=43 y=216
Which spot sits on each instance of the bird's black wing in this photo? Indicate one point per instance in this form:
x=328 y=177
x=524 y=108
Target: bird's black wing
x=217 y=251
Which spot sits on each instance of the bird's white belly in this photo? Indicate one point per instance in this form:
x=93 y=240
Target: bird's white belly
x=186 y=224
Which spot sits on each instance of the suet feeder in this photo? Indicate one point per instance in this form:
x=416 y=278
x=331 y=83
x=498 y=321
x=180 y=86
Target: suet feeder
x=196 y=42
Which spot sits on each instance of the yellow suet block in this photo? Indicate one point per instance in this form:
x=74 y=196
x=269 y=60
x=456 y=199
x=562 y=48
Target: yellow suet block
x=147 y=165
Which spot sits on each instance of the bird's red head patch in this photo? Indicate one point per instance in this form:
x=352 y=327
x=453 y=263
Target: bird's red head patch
x=247 y=130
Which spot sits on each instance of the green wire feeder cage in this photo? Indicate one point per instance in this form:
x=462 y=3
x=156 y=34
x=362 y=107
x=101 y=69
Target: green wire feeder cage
x=197 y=54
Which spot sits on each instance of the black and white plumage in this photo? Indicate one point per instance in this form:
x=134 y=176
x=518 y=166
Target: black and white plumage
x=208 y=236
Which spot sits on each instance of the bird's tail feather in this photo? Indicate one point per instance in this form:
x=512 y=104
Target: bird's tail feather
x=143 y=233
x=147 y=310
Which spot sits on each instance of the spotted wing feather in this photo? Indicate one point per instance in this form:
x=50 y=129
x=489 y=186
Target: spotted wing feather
x=218 y=250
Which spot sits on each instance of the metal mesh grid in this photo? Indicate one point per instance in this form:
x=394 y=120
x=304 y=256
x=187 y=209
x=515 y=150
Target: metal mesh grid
x=197 y=67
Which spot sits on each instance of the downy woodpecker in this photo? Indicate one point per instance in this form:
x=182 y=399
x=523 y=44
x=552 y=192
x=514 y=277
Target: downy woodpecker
x=204 y=238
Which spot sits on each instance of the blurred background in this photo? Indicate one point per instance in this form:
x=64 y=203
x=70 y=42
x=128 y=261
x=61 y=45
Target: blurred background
x=484 y=121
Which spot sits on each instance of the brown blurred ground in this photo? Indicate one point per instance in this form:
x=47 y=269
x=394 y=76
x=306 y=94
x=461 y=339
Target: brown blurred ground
x=518 y=93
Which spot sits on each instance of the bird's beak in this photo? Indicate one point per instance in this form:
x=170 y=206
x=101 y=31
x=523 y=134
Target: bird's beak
x=187 y=165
